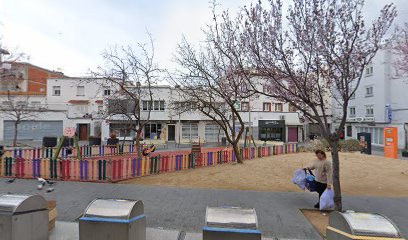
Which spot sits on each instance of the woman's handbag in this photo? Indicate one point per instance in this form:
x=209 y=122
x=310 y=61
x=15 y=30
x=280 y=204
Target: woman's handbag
x=310 y=180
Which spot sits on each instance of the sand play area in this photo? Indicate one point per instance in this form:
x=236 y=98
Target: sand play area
x=360 y=175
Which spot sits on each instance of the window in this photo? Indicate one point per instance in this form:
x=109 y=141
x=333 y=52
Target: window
x=369 y=70
x=82 y=108
x=162 y=105
x=36 y=104
x=80 y=91
x=152 y=131
x=122 y=129
x=369 y=111
x=100 y=109
x=245 y=106
x=292 y=108
x=156 y=105
x=352 y=111
x=144 y=103
x=369 y=91
x=189 y=131
x=56 y=91
x=278 y=107
x=21 y=104
x=212 y=132
x=349 y=131
x=267 y=107
x=107 y=92
x=377 y=134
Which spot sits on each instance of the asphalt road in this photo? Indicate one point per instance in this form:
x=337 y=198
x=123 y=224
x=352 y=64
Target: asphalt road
x=184 y=209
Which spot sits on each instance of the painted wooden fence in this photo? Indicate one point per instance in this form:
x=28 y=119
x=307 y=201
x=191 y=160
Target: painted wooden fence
x=114 y=168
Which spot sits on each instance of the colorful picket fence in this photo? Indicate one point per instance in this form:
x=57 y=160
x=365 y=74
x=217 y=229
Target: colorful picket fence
x=116 y=168
x=71 y=152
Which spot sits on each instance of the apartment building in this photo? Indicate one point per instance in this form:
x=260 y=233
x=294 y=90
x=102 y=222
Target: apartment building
x=380 y=101
x=24 y=85
x=86 y=105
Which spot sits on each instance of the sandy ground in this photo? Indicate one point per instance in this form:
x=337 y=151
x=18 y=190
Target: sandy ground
x=360 y=175
x=319 y=219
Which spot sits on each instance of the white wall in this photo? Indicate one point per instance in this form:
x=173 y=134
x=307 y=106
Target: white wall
x=389 y=89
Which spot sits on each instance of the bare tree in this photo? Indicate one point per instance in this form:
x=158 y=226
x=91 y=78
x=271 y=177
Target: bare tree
x=18 y=109
x=213 y=79
x=318 y=53
x=400 y=48
x=132 y=73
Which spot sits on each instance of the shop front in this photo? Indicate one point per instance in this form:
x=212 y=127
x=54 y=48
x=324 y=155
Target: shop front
x=272 y=130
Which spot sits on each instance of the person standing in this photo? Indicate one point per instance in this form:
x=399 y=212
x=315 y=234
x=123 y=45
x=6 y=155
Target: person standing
x=323 y=174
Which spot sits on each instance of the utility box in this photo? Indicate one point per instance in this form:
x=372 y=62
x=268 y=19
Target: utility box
x=23 y=217
x=113 y=219
x=231 y=223
x=356 y=225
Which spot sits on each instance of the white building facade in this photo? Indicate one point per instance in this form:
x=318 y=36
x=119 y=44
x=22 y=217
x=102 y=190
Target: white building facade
x=83 y=104
x=380 y=101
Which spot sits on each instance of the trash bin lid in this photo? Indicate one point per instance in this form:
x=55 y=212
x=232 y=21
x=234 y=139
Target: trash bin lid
x=231 y=217
x=371 y=224
x=22 y=203
x=114 y=208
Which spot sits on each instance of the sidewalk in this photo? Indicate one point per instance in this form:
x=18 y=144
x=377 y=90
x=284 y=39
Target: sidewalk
x=184 y=209
x=70 y=231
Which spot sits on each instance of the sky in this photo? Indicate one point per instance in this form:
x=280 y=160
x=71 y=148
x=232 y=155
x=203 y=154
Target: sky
x=70 y=35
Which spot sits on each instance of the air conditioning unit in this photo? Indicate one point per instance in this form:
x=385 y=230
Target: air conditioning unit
x=282 y=117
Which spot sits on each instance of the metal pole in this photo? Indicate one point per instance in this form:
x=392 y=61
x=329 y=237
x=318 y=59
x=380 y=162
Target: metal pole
x=249 y=113
x=179 y=120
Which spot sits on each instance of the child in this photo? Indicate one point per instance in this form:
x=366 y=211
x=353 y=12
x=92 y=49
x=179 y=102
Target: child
x=323 y=173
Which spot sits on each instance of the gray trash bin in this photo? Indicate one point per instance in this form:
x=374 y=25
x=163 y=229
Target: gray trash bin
x=23 y=217
x=113 y=219
x=357 y=225
x=231 y=223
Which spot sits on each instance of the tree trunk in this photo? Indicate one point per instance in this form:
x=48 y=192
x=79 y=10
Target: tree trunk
x=238 y=156
x=139 y=151
x=336 y=175
x=15 y=133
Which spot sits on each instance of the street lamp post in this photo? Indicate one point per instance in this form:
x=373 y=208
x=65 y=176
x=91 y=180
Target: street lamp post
x=179 y=117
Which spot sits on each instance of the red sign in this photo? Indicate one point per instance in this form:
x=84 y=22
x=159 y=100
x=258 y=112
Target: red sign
x=69 y=132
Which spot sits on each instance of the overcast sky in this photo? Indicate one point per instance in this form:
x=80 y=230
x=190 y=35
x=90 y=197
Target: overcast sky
x=71 y=34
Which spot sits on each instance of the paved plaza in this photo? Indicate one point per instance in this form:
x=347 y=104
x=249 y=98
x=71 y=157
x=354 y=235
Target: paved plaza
x=184 y=209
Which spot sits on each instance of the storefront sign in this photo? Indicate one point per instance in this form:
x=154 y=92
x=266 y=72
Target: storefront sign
x=271 y=123
x=388 y=113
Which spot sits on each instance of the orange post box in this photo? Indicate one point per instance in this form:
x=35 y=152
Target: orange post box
x=391 y=142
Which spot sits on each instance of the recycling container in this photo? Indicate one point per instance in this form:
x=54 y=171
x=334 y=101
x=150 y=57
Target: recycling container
x=357 y=225
x=113 y=219
x=231 y=223
x=23 y=217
